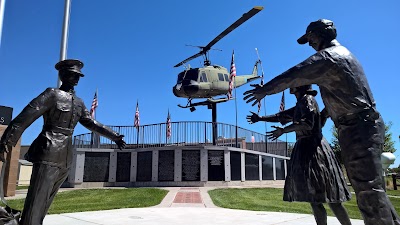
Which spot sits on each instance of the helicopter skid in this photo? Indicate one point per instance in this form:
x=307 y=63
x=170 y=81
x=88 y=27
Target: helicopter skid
x=207 y=102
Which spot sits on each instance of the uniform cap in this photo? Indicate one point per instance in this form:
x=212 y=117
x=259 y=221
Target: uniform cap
x=72 y=65
x=320 y=24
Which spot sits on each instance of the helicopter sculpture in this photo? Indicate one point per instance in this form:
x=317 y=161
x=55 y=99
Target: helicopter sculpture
x=211 y=80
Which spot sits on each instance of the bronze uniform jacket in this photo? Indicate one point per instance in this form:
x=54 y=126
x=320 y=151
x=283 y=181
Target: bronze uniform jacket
x=340 y=77
x=61 y=112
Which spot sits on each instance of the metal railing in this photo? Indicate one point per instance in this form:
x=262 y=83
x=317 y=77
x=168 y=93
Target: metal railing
x=186 y=133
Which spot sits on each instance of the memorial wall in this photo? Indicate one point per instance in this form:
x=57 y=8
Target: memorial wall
x=195 y=165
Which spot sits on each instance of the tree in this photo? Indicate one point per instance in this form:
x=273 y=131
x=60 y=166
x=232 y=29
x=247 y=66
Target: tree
x=388 y=145
x=335 y=144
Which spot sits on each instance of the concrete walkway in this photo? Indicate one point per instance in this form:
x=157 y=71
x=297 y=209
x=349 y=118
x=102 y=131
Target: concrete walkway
x=183 y=206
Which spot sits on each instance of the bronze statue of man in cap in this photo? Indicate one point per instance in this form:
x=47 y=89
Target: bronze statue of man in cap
x=349 y=102
x=51 y=152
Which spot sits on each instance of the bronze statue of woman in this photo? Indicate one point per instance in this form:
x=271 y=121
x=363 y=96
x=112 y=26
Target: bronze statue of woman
x=314 y=174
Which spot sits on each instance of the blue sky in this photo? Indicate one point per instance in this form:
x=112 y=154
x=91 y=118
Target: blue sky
x=130 y=47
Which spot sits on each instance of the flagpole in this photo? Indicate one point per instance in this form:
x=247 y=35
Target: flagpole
x=236 y=132
x=2 y=6
x=166 y=130
x=97 y=97
x=137 y=124
x=265 y=108
x=232 y=77
x=64 y=36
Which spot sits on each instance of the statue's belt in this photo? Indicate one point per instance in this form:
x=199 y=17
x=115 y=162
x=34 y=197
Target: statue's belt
x=58 y=129
x=366 y=115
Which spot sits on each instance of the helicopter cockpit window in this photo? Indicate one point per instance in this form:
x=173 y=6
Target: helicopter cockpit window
x=226 y=77
x=192 y=74
x=220 y=76
x=203 y=77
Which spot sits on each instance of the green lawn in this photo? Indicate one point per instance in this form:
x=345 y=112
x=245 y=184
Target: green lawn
x=270 y=199
x=21 y=187
x=393 y=192
x=100 y=199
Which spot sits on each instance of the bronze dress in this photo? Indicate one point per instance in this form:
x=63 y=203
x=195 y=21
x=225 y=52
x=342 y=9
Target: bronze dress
x=314 y=174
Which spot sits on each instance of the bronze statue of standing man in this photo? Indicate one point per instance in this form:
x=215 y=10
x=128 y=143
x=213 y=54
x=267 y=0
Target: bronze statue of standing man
x=349 y=102
x=51 y=152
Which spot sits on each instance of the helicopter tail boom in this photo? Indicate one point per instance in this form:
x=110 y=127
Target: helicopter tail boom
x=244 y=79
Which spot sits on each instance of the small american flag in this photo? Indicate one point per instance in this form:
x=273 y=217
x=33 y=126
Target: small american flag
x=95 y=103
x=232 y=75
x=168 y=125
x=137 y=119
x=282 y=106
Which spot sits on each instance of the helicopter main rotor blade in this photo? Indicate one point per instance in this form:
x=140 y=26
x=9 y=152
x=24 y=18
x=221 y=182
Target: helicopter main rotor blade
x=237 y=23
x=190 y=58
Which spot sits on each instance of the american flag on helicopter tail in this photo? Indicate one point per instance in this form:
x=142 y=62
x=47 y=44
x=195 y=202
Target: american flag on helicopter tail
x=169 y=125
x=137 y=119
x=93 y=108
x=282 y=106
x=232 y=75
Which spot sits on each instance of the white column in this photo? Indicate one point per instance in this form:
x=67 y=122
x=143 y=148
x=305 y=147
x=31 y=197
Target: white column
x=260 y=167
x=243 y=166
x=227 y=164
x=112 y=170
x=274 y=168
x=285 y=163
x=178 y=165
x=155 y=166
x=76 y=172
x=203 y=164
x=133 y=166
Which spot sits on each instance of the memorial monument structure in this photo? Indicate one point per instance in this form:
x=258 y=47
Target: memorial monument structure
x=187 y=158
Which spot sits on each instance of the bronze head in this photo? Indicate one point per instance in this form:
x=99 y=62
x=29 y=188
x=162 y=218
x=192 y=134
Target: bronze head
x=324 y=30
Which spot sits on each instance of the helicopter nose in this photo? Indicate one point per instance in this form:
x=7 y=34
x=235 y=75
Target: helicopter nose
x=191 y=89
x=177 y=90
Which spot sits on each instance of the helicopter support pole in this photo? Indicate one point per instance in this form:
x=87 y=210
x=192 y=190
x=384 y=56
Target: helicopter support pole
x=214 y=122
x=64 y=36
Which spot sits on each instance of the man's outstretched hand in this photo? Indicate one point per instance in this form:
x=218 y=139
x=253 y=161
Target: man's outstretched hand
x=120 y=142
x=255 y=95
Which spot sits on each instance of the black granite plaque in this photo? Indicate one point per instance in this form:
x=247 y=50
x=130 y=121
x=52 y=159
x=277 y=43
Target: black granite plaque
x=267 y=168
x=216 y=166
x=236 y=171
x=144 y=166
x=190 y=165
x=166 y=159
x=5 y=115
x=123 y=167
x=252 y=165
x=280 y=169
x=96 y=167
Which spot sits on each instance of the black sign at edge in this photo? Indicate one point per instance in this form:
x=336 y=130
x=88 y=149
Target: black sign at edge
x=5 y=115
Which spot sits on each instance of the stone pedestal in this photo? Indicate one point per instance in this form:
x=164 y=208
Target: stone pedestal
x=11 y=173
